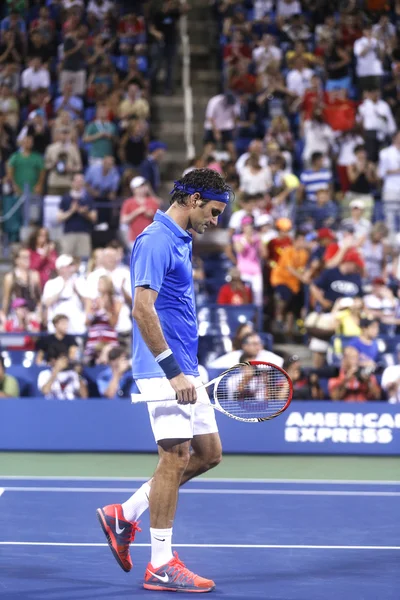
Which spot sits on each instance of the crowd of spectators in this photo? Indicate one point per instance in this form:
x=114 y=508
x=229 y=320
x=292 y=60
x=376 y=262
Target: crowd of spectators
x=305 y=132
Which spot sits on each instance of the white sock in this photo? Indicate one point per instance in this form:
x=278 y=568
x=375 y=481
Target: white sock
x=161 y=551
x=137 y=503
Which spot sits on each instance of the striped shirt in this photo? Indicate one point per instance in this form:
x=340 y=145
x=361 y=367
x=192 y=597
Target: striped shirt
x=314 y=181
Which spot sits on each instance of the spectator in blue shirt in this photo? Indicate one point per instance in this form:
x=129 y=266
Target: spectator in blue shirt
x=343 y=281
x=68 y=102
x=116 y=380
x=366 y=343
x=78 y=214
x=102 y=183
x=150 y=169
x=324 y=212
x=314 y=179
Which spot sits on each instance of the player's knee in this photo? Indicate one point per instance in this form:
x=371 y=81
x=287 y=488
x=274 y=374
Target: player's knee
x=176 y=456
x=213 y=460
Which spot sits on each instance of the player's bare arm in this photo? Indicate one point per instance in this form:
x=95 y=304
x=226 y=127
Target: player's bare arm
x=146 y=317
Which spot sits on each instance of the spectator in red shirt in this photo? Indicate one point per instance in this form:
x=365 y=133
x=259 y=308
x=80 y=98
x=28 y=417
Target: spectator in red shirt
x=42 y=254
x=22 y=320
x=235 y=292
x=354 y=383
x=237 y=50
x=138 y=212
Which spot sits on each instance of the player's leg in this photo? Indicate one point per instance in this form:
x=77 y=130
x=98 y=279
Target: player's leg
x=206 y=454
x=174 y=457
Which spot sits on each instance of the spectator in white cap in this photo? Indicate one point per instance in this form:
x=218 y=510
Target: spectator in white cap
x=64 y=295
x=265 y=225
x=138 y=211
x=360 y=225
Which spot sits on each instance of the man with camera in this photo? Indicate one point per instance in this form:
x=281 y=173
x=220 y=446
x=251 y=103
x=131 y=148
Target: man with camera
x=355 y=383
x=62 y=161
x=63 y=380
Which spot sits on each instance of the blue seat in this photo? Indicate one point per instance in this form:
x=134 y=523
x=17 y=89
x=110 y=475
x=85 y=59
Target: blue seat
x=28 y=377
x=91 y=374
x=212 y=346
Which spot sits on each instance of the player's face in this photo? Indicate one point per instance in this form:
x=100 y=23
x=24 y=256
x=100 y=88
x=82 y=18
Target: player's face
x=203 y=217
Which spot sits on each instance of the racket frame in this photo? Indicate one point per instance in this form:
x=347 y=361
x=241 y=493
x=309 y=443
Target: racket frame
x=214 y=402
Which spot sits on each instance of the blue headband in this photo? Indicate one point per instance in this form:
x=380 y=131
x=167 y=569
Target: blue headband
x=225 y=196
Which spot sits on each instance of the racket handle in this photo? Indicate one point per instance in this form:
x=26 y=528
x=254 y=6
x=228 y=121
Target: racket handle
x=138 y=398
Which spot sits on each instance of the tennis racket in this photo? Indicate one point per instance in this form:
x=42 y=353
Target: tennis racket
x=251 y=392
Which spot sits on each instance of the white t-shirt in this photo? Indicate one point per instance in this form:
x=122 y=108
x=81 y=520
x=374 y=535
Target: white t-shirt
x=389 y=160
x=255 y=183
x=235 y=222
x=318 y=137
x=68 y=304
x=377 y=116
x=299 y=81
x=391 y=375
x=232 y=358
x=99 y=11
x=223 y=115
x=34 y=80
x=120 y=276
x=265 y=56
x=288 y=8
x=261 y=8
x=369 y=64
x=241 y=161
x=346 y=153
x=65 y=387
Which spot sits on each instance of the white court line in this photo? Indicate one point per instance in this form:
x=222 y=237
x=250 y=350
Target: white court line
x=210 y=491
x=204 y=479
x=233 y=546
x=1 y=491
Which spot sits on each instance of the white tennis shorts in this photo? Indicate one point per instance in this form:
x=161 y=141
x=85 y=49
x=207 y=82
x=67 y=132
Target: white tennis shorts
x=170 y=420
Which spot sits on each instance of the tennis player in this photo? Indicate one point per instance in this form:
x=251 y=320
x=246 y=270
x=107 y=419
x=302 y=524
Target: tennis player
x=164 y=356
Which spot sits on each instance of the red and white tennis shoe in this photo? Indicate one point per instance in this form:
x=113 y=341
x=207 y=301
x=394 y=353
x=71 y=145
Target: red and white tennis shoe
x=119 y=533
x=175 y=577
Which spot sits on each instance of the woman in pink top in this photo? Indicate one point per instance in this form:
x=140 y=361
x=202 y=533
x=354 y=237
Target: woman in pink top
x=42 y=254
x=249 y=255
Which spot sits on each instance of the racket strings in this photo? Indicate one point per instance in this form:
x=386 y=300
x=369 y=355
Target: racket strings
x=248 y=391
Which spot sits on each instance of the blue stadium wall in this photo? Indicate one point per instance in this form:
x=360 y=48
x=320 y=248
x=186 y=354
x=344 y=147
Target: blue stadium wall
x=33 y=424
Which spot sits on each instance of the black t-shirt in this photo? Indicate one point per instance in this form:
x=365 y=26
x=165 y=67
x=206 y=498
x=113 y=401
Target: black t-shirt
x=166 y=22
x=45 y=51
x=48 y=341
x=40 y=140
x=75 y=62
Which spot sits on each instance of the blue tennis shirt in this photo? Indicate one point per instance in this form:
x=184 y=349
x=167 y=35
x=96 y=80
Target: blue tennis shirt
x=162 y=260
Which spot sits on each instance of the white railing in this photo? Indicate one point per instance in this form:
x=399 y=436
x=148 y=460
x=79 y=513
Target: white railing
x=187 y=89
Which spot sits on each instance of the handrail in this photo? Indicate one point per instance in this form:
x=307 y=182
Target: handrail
x=187 y=89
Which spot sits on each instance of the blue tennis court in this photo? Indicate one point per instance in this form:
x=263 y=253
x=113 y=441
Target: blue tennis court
x=271 y=539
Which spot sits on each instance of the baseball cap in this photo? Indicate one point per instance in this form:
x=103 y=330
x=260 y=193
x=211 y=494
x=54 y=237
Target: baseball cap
x=157 y=145
x=325 y=233
x=137 y=182
x=64 y=260
x=284 y=224
x=378 y=281
x=18 y=302
x=248 y=220
x=357 y=204
x=354 y=257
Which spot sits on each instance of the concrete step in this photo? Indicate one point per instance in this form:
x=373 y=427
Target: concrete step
x=168 y=129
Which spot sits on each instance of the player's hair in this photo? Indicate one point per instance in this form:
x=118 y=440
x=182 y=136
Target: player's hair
x=201 y=179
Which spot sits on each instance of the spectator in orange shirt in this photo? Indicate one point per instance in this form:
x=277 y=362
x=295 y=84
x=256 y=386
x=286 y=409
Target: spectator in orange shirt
x=235 y=292
x=354 y=383
x=138 y=212
x=287 y=281
x=282 y=240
